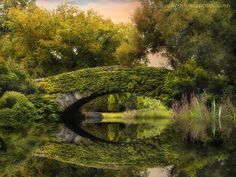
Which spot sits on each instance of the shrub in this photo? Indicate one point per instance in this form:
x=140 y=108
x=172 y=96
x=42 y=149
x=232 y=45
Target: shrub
x=16 y=109
x=191 y=78
x=46 y=108
x=12 y=78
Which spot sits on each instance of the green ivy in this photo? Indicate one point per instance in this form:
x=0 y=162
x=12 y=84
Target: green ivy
x=143 y=81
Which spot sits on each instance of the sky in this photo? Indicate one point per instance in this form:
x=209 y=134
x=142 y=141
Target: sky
x=117 y=10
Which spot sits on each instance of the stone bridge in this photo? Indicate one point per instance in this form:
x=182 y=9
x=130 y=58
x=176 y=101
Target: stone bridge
x=73 y=89
x=78 y=87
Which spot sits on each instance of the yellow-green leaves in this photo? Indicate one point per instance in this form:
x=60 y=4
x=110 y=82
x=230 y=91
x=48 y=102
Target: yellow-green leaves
x=51 y=42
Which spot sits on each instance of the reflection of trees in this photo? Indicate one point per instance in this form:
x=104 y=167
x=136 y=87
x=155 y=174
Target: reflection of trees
x=129 y=172
x=114 y=131
x=52 y=168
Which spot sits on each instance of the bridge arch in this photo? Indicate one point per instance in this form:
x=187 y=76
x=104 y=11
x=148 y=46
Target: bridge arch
x=79 y=87
x=74 y=89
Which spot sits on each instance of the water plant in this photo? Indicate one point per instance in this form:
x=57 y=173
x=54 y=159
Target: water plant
x=213 y=113
x=197 y=120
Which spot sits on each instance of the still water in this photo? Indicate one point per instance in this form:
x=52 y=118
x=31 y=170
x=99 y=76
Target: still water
x=127 y=132
x=121 y=143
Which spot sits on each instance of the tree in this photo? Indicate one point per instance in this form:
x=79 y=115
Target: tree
x=51 y=42
x=203 y=29
x=5 y=5
x=132 y=50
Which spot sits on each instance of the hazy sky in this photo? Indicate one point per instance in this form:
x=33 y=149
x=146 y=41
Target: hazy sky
x=117 y=10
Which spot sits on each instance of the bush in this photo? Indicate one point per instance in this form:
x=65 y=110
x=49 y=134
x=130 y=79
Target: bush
x=46 y=108
x=12 y=78
x=16 y=109
x=191 y=78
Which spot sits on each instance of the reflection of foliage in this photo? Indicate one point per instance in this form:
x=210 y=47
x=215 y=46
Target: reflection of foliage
x=19 y=132
x=18 y=144
x=49 y=168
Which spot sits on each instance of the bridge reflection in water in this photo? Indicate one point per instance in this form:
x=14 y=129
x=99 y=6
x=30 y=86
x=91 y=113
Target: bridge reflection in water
x=73 y=90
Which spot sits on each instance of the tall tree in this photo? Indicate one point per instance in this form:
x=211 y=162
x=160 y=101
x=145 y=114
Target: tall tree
x=50 y=42
x=186 y=29
x=5 y=5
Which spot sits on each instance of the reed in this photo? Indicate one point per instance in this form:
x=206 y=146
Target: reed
x=213 y=113
x=198 y=116
x=199 y=122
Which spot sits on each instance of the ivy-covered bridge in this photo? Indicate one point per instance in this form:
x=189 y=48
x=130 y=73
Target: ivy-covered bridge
x=73 y=89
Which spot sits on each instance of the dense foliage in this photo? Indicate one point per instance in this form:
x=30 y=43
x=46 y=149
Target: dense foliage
x=15 y=110
x=105 y=80
x=13 y=78
x=190 y=78
x=50 y=42
x=185 y=29
x=5 y=5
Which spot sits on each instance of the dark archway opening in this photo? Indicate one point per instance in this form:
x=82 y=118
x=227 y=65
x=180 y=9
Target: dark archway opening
x=112 y=131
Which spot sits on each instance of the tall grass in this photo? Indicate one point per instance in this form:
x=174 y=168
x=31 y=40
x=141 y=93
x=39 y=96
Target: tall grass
x=198 y=115
x=213 y=113
x=200 y=122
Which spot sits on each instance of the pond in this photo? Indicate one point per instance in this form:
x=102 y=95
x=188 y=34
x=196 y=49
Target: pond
x=137 y=138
